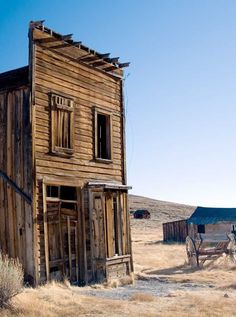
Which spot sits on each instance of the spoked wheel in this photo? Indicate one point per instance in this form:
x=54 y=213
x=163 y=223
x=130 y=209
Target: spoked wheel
x=191 y=252
x=232 y=247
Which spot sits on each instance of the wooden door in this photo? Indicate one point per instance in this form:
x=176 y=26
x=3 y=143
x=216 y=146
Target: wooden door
x=62 y=242
x=98 y=235
x=61 y=235
x=98 y=230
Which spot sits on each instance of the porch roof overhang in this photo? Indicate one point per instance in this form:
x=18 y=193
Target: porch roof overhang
x=108 y=185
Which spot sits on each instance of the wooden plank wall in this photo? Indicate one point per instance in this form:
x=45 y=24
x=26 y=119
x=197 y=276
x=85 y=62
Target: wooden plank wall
x=175 y=231
x=16 y=221
x=89 y=88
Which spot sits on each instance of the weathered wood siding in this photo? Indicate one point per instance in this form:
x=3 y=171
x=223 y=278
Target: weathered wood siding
x=217 y=228
x=16 y=221
x=89 y=88
x=176 y=231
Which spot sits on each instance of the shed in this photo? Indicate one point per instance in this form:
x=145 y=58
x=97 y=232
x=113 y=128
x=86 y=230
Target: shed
x=212 y=220
x=175 y=231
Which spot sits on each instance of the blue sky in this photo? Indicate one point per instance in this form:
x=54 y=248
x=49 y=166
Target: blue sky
x=180 y=87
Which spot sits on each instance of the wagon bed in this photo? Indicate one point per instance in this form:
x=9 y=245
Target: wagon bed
x=209 y=247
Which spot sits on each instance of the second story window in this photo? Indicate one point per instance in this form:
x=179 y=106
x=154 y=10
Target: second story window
x=103 y=147
x=62 y=125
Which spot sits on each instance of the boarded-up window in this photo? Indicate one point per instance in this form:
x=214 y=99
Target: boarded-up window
x=103 y=136
x=62 y=124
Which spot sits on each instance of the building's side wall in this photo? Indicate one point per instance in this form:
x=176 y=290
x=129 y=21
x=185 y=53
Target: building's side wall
x=175 y=231
x=89 y=88
x=218 y=228
x=16 y=223
x=222 y=227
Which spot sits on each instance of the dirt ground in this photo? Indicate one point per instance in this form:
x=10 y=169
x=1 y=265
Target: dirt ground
x=164 y=286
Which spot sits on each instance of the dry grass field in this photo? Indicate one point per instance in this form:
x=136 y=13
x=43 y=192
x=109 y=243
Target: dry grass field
x=164 y=285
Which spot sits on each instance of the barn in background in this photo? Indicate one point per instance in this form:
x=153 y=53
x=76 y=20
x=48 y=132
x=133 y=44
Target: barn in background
x=63 y=190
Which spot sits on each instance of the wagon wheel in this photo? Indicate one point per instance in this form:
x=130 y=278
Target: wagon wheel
x=191 y=252
x=232 y=247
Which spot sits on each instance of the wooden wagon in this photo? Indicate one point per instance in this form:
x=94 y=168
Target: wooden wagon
x=209 y=247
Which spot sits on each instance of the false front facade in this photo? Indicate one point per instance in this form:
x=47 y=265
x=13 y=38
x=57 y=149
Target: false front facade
x=63 y=191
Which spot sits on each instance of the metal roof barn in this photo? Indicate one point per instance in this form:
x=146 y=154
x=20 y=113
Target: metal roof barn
x=204 y=215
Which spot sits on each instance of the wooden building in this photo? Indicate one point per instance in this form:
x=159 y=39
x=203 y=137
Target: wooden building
x=212 y=221
x=63 y=190
x=175 y=231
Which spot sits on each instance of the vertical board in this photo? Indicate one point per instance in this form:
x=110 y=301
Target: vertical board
x=110 y=239
x=16 y=223
x=175 y=231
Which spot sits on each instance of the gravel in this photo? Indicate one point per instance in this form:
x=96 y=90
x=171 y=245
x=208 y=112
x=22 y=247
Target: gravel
x=152 y=287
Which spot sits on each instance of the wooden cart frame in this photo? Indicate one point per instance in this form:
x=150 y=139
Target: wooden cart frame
x=209 y=247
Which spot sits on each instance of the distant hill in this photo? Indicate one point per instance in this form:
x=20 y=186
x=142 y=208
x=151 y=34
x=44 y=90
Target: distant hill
x=161 y=211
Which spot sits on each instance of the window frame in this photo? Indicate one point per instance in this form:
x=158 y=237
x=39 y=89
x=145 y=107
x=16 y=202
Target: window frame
x=109 y=138
x=55 y=149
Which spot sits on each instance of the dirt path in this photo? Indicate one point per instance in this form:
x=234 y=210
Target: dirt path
x=150 y=286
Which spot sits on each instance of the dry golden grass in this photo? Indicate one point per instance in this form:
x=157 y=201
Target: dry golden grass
x=143 y=297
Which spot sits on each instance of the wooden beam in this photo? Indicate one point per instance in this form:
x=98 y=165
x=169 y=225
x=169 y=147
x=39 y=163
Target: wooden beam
x=60 y=45
x=77 y=43
x=112 y=60
x=98 y=63
x=15 y=187
x=89 y=58
x=69 y=245
x=121 y=65
x=47 y=40
x=76 y=250
x=108 y=69
x=45 y=225
x=66 y=37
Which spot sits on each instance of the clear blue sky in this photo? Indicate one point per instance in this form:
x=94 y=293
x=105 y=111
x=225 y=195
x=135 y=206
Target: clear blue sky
x=180 y=87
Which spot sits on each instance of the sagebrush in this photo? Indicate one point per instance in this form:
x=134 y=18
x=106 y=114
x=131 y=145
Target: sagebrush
x=11 y=279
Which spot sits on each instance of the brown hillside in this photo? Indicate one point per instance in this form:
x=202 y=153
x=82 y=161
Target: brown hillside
x=161 y=211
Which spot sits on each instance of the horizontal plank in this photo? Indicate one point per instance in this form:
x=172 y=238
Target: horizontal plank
x=73 y=92
x=41 y=171
x=77 y=79
x=85 y=160
x=42 y=101
x=74 y=89
x=43 y=54
x=106 y=169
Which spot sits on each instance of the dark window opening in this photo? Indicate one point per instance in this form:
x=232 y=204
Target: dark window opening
x=201 y=228
x=233 y=229
x=54 y=269
x=53 y=191
x=116 y=233
x=68 y=193
x=103 y=137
